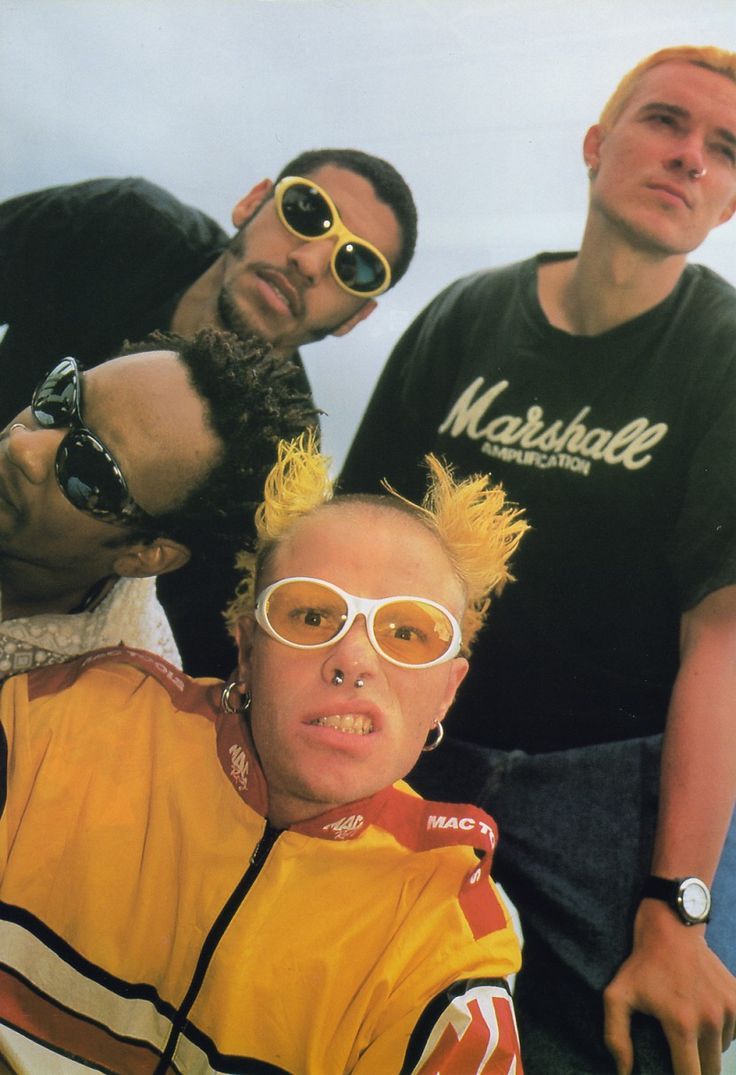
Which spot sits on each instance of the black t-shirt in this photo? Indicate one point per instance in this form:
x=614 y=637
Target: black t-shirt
x=84 y=268
x=621 y=448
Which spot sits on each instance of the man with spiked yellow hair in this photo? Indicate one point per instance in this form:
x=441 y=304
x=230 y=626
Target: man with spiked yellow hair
x=213 y=877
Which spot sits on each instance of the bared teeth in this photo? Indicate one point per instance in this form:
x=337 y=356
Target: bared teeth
x=352 y=723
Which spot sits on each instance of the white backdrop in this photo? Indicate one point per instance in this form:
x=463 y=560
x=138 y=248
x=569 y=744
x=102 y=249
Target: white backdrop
x=481 y=104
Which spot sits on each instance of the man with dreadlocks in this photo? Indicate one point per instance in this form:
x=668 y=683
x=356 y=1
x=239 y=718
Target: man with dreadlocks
x=114 y=477
x=235 y=877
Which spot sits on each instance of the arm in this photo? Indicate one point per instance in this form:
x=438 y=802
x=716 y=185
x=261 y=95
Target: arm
x=671 y=973
x=446 y=1004
x=470 y=1026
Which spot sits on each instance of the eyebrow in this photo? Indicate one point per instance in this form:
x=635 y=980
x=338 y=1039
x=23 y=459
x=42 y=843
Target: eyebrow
x=683 y=113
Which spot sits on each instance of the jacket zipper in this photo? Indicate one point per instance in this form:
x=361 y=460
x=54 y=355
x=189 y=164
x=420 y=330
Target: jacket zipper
x=257 y=861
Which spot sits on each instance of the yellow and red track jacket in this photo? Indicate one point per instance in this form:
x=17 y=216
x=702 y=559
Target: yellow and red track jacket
x=152 y=921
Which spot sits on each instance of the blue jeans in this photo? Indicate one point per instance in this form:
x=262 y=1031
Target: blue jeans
x=576 y=836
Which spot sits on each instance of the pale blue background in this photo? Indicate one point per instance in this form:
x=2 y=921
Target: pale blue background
x=482 y=104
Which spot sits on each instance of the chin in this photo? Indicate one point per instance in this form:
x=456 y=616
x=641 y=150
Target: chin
x=232 y=319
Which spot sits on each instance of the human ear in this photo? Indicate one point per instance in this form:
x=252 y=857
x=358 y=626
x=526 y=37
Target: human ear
x=244 y=634
x=458 y=670
x=251 y=203
x=592 y=146
x=358 y=316
x=140 y=561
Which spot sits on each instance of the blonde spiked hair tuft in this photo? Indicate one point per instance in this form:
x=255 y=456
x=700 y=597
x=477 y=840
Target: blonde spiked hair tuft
x=471 y=519
x=479 y=531
x=297 y=484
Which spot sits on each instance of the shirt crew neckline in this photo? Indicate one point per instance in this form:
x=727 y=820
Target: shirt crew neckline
x=637 y=327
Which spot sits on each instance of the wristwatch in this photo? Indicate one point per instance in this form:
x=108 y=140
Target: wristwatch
x=689 y=897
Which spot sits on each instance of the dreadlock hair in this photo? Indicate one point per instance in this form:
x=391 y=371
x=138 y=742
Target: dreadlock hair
x=472 y=520
x=250 y=404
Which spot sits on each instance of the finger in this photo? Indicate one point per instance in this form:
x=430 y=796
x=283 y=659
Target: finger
x=685 y=1055
x=729 y=1032
x=710 y=1052
x=728 y=1037
x=617 y=1035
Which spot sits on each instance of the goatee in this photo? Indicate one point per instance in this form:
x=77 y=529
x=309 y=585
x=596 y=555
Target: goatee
x=231 y=317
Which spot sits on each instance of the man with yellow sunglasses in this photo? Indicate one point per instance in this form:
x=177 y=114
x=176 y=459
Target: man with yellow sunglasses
x=87 y=266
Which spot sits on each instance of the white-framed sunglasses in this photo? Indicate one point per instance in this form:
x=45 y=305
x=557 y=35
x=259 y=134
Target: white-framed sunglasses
x=308 y=613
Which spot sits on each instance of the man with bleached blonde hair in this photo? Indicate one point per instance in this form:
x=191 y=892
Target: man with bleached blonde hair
x=600 y=387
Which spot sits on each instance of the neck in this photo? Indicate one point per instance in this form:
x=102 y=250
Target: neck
x=197 y=308
x=607 y=284
x=28 y=590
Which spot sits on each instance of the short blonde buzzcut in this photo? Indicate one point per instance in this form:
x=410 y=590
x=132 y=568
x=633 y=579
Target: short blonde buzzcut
x=709 y=56
x=471 y=519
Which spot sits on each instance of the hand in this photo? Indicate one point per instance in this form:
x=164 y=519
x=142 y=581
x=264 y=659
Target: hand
x=674 y=976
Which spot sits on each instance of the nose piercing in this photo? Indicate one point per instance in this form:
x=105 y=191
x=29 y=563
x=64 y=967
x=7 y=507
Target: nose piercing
x=16 y=425
x=339 y=678
x=695 y=174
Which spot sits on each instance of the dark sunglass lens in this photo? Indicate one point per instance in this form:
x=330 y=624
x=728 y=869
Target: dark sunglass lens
x=55 y=400
x=88 y=476
x=306 y=211
x=359 y=268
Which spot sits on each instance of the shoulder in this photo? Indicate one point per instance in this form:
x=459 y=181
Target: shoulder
x=452 y=846
x=130 y=614
x=702 y=332
x=710 y=296
x=445 y=851
x=421 y=824
x=116 y=677
x=479 y=286
x=467 y=306
x=116 y=701
x=113 y=204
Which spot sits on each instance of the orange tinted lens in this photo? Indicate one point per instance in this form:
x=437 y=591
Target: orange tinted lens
x=412 y=631
x=305 y=613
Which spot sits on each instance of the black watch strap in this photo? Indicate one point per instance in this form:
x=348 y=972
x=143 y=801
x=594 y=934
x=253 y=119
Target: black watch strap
x=661 y=888
x=678 y=892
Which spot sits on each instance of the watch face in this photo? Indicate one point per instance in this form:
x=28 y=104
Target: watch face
x=694 y=899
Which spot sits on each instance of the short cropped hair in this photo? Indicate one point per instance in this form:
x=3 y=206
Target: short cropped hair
x=709 y=56
x=389 y=186
x=251 y=404
x=472 y=520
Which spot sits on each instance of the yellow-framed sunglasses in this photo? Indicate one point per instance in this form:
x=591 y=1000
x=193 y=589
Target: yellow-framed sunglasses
x=308 y=212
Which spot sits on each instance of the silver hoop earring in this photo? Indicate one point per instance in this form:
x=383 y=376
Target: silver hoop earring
x=439 y=736
x=226 y=702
